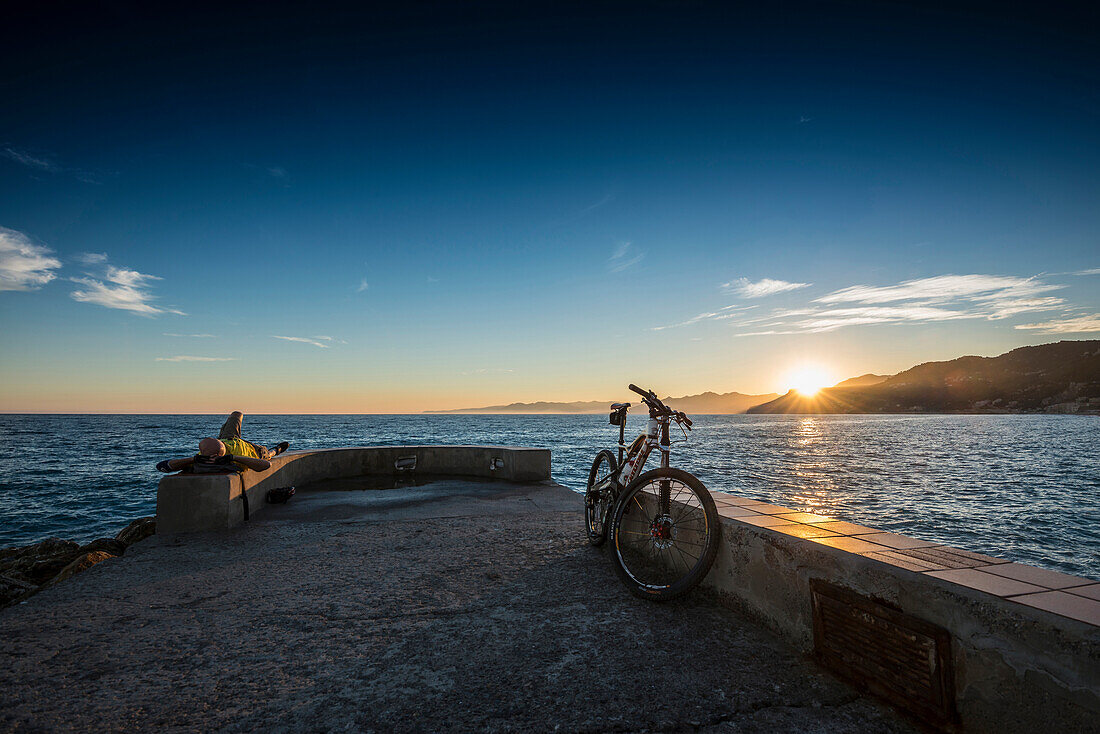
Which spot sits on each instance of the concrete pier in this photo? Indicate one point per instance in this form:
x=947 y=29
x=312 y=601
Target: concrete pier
x=460 y=605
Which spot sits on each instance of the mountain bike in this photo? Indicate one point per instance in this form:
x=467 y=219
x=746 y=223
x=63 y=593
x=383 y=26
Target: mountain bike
x=663 y=523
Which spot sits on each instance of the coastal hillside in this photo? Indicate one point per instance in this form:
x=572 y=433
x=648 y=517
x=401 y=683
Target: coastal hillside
x=704 y=403
x=863 y=380
x=1053 y=378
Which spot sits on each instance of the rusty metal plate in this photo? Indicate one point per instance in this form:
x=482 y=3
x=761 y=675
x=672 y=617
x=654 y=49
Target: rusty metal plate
x=898 y=657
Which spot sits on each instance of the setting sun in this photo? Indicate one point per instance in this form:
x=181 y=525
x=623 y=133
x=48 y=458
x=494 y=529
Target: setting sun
x=808 y=379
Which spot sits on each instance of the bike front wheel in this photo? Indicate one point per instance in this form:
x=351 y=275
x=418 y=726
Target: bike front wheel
x=665 y=532
x=598 y=497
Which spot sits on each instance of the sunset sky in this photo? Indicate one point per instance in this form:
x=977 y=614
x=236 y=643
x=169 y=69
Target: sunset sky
x=450 y=205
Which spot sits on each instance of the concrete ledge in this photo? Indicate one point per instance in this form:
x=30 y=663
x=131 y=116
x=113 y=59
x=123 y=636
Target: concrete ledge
x=196 y=502
x=1025 y=641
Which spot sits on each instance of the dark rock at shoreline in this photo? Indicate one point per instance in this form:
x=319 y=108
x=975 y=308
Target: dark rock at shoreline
x=138 y=530
x=110 y=545
x=82 y=563
x=28 y=569
x=40 y=562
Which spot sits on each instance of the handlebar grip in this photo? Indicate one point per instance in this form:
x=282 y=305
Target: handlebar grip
x=687 y=420
x=640 y=391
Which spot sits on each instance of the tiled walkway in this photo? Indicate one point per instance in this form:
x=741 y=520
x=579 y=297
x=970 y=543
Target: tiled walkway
x=1069 y=596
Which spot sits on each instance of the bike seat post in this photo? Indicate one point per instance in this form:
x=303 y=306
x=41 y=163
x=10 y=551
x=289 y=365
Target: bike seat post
x=622 y=435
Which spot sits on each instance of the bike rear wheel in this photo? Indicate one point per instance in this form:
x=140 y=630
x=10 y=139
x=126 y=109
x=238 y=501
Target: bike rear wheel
x=598 y=497
x=665 y=532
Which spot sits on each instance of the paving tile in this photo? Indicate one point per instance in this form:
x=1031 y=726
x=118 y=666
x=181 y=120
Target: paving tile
x=1067 y=605
x=893 y=540
x=987 y=582
x=735 y=511
x=767 y=509
x=943 y=555
x=806 y=517
x=903 y=561
x=1092 y=591
x=984 y=559
x=804 y=531
x=852 y=545
x=845 y=528
x=763 y=521
x=735 y=500
x=1038 y=576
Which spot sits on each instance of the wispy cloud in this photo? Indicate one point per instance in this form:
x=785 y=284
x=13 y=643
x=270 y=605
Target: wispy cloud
x=191 y=336
x=363 y=285
x=604 y=201
x=943 y=288
x=24 y=158
x=926 y=300
x=304 y=340
x=24 y=266
x=92 y=258
x=123 y=289
x=1068 y=325
x=726 y=312
x=43 y=163
x=767 y=287
x=621 y=258
x=1090 y=271
x=188 y=358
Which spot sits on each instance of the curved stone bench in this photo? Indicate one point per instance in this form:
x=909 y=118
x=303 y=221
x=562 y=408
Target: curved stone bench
x=194 y=502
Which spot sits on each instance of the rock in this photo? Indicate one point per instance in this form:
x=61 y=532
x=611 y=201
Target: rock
x=111 y=545
x=82 y=563
x=138 y=530
x=40 y=562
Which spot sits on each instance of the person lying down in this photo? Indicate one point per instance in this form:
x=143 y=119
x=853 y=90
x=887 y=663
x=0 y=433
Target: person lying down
x=228 y=452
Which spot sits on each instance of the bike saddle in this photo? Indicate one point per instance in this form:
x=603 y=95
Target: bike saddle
x=620 y=406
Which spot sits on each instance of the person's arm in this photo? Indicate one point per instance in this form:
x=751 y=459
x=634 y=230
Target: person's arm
x=254 y=464
x=175 y=464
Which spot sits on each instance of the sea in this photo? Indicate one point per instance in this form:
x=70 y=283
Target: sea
x=1020 y=487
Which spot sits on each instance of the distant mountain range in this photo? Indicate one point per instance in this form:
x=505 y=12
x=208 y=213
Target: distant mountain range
x=708 y=402
x=1052 y=378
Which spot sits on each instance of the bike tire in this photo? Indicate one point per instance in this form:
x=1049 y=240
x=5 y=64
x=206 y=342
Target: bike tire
x=654 y=565
x=597 y=507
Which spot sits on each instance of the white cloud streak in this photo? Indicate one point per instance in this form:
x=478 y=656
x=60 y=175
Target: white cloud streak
x=92 y=258
x=363 y=285
x=943 y=288
x=1090 y=271
x=123 y=289
x=304 y=340
x=24 y=266
x=767 y=287
x=30 y=161
x=188 y=358
x=1069 y=325
x=621 y=259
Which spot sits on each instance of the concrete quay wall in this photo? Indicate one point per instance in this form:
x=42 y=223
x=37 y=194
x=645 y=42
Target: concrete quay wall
x=198 y=502
x=1023 y=642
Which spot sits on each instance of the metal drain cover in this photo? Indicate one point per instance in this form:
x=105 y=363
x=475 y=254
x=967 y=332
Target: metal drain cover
x=900 y=658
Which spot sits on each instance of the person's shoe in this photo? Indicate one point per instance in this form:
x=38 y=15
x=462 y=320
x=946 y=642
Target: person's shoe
x=281 y=447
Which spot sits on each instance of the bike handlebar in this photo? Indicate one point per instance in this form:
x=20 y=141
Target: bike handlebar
x=654 y=402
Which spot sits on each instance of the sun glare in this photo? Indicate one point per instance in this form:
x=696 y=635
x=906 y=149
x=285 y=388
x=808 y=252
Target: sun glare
x=808 y=379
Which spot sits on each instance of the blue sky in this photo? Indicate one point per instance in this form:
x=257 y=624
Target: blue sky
x=443 y=207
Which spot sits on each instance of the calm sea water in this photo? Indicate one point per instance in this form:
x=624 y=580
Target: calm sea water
x=1020 y=487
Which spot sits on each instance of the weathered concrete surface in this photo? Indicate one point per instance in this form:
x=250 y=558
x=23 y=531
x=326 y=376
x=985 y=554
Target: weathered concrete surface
x=1017 y=668
x=192 y=503
x=454 y=606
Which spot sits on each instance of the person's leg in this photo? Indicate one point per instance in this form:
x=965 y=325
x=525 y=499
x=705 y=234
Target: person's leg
x=232 y=426
x=262 y=451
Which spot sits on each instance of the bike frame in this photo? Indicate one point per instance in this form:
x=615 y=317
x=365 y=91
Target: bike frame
x=655 y=437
